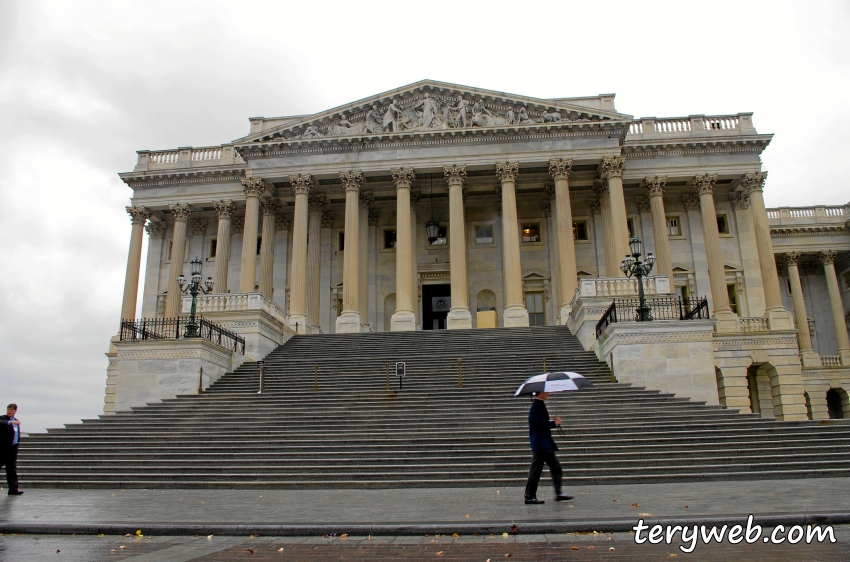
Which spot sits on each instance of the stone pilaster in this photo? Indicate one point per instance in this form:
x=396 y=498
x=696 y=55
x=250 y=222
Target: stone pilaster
x=654 y=189
x=415 y=198
x=566 y=257
x=138 y=216
x=727 y=321
x=301 y=185
x=173 y=300
x=827 y=258
x=459 y=316
x=222 y=245
x=515 y=311
x=804 y=339
x=777 y=317
x=253 y=188
x=366 y=200
x=404 y=318
x=270 y=208
x=611 y=169
x=315 y=222
x=612 y=258
x=349 y=319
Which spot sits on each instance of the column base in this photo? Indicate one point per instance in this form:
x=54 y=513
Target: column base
x=314 y=329
x=298 y=323
x=403 y=321
x=810 y=359
x=348 y=323
x=459 y=319
x=780 y=319
x=727 y=321
x=515 y=316
x=564 y=315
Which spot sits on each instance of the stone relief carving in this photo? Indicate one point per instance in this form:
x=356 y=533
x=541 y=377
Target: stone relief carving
x=316 y=202
x=351 y=181
x=753 y=181
x=654 y=186
x=138 y=214
x=180 y=211
x=507 y=171
x=156 y=229
x=403 y=177
x=366 y=199
x=600 y=188
x=328 y=218
x=415 y=197
x=238 y=224
x=740 y=199
x=282 y=223
x=560 y=169
x=595 y=205
x=270 y=206
x=642 y=203
x=691 y=201
x=789 y=258
x=827 y=256
x=374 y=215
x=256 y=187
x=705 y=183
x=224 y=208
x=199 y=227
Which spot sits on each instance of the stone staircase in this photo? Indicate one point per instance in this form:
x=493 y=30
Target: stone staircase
x=326 y=419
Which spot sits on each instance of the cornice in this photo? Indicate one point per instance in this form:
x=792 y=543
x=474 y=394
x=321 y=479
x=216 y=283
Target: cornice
x=803 y=230
x=181 y=177
x=700 y=145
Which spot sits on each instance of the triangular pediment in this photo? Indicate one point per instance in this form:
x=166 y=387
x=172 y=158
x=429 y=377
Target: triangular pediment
x=431 y=107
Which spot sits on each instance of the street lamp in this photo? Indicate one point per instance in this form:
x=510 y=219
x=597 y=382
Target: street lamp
x=194 y=287
x=633 y=266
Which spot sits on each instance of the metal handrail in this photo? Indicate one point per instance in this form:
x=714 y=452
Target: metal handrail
x=662 y=308
x=145 y=329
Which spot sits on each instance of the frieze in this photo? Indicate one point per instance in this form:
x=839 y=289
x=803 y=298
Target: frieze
x=178 y=177
x=726 y=344
x=662 y=337
x=141 y=355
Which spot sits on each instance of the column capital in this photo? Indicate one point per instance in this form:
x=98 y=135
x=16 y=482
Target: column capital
x=560 y=169
x=753 y=182
x=455 y=175
x=415 y=197
x=595 y=205
x=690 y=201
x=316 y=202
x=270 y=206
x=600 y=188
x=507 y=171
x=238 y=225
x=740 y=199
x=655 y=185
x=156 y=229
x=704 y=183
x=138 y=214
x=282 y=223
x=612 y=167
x=366 y=199
x=374 y=215
x=256 y=187
x=199 y=227
x=642 y=203
x=827 y=256
x=790 y=258
x=301 y=183
x=352 y=180
x=224 y=208
x=403 y=177
x=180 y=211
x=328 y=218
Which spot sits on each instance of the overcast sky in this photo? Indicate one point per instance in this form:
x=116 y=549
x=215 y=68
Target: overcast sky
x=83 y=85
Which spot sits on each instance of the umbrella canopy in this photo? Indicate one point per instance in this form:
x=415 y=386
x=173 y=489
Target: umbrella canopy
x=553 y=382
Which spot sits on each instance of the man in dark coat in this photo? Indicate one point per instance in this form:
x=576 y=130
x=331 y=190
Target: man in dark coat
x=543 y=450
x=10 y=437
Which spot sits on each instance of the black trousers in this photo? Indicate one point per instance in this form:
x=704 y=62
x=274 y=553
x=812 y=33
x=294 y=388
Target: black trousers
x=9 y=459
x=537 y=461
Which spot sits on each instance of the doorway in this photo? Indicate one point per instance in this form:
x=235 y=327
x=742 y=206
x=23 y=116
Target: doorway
x=436 y=303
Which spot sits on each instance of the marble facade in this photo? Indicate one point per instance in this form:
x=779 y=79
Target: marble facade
x=338 y=203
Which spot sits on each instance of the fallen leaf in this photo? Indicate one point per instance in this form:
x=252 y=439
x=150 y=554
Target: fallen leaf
x=253 y=536
x=100 y=535
x=514 y=529
x=440 y=553
x=250 y=550
x=504 y=534
x=508 y=555
x=467 y=516
x=618 y=501
x=573 y=548
x=139 y=533
x=280 y=549
x=645 y=514
x=113 y=550
x=344 y=536
x=591 y=548
x=611 y=549
x=427 y=535
x=123 y=547
x=686 y=507
x=128 y=535
x=209 y=537
x=57 y=550
x=635 y=505
x=674 y=555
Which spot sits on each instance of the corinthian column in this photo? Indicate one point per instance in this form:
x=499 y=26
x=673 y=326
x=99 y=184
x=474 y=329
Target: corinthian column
x=655 y=191
x=568 y=278
x=173 y=300
x=138 y=217
x=515 y=312
x=316 y=203
x=726 y=319
x=301 y=185
x=404 y=318
x=459 y=316
x=827 y=258
x=611 y=169
x=612 y=257
x=366 y=200
x=270 y=208
x=349 y=320
x=222 y=245
x=253 y=188
x=777 y=317
x=804 y=339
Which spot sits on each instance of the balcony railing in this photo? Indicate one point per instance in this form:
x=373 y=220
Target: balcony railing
x=663 y=308
x=151 y=329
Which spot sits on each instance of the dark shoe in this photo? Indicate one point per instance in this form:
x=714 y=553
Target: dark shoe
x=15 y=493
x=534 y=501
x=562 y=498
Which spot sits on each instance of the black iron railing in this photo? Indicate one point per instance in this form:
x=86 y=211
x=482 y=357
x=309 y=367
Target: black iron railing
x=661 y=308
x=174 y=328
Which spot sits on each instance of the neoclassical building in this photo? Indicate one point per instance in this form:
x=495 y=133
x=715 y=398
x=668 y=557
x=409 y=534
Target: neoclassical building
x=439 y=206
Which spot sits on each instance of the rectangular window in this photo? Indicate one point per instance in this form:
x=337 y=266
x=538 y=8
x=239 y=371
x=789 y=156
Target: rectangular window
x=342 y=241
x=534 y=305
x=442 y=238
x=732 y=290
x=484 y=234
x=213 y=247
x=722 y=224
x=531 y=233
x=170 y=245
x=259 y=243
x=389 y=239
x=674 y=227
x=631 y=224
x=580 y=230
x=684 y=293
x=846 y=277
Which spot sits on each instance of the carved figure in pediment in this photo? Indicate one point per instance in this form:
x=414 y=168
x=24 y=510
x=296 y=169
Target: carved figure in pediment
x=345 y=127
x=462 y=113
x=430 y=111
x=510 y=117
x=374 y=120
x=553 y=117
x=393 y=115
x=481 y=116
x=311 y=132
x=522 y=116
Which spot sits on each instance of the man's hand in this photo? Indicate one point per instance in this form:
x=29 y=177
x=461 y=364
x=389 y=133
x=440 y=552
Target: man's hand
x=557 y=420
x=15 y=422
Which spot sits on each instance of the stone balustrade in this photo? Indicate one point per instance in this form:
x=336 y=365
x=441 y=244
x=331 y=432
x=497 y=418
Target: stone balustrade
x=830 y=360
x=753 y=324
x=692 y=125
x=233 y=302
x=187 y=157
x=786 y=216
x=611 y=287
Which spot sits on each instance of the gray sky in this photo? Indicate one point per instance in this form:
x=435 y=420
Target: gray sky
x=83 y=85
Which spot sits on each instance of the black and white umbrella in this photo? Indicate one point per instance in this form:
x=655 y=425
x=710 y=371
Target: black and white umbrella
x=553 y=382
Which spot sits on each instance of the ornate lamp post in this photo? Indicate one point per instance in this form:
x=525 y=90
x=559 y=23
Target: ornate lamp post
x=633 y=266
x=193 y=287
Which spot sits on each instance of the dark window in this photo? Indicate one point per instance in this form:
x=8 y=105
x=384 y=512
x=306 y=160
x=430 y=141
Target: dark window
x=213 y=247
x=834 y=405
x=342 y=241
x=631 y=225
x=259 y=243
x=722 y=224
x=732 y=290
x=441 y=237
x=389 y=239
x=580 y=230
x=484 y=234
x=531 y=233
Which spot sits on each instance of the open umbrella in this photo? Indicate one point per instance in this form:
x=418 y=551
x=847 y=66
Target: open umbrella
x=553 y=382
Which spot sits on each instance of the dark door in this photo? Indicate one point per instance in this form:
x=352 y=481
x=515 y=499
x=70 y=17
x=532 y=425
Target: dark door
x=436 y=302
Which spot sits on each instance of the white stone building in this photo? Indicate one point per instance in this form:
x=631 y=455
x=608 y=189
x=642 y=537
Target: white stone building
x=317 y=223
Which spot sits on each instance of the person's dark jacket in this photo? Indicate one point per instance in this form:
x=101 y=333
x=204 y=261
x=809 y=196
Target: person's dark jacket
x=540 y=428
x=7 y=433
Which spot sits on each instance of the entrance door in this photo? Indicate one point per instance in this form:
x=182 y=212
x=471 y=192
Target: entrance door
x=436 y=303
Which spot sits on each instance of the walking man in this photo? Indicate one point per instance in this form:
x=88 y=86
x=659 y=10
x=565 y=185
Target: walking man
x=543 y=450
x=10 y=436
